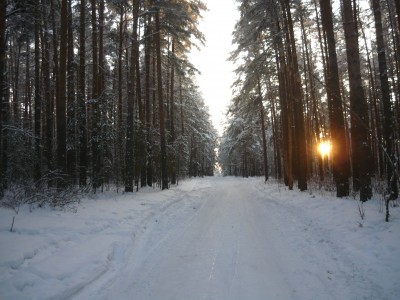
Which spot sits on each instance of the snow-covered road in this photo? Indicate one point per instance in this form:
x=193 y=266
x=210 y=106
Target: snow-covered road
x=225 y=238
x=225 y=250
x=238 y=244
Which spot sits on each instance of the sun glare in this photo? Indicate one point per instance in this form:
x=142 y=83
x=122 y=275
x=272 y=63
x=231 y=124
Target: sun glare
x=324 y=148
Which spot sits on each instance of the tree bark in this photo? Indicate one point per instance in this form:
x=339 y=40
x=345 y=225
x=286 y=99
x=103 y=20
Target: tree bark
x=149 y=167
x=61 y=92
x=82 y=97
x=129 y=174
x=119 y=130
x=71 y=110
x=101 y=98
x=38 y=96
x=340 y=159
x=164 y=174
x=264 y=138
x=296 y=96
x=181 y=106
x=3 y=101
x=360 y=141
x=172 y=113
x=387 y=109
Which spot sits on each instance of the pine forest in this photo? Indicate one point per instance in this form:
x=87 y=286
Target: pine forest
x=101 y=93
x=316 y=96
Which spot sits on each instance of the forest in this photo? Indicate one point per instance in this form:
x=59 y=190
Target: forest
x=317 y=75
x=100 y=93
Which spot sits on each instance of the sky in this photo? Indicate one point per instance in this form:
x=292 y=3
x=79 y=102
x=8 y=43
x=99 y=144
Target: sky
x=216 y=72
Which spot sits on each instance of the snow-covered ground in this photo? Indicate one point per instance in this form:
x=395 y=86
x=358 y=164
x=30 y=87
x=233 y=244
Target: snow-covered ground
x=211 y=238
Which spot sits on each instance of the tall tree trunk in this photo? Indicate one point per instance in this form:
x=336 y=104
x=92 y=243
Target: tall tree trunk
x=376 y=118
x=82 y=97
x=38 y=96
x=387 y=109
x=129 y=176
x=154 y=87
x=398 y=15
x=275 y=134
x=101 y=68
x=286 y=124
x=297 y=99
x=101 y=101
x=164 y=174
x=313 y=128
x=94 y=134
x=47 y=91
x=172 y=114
x=71 y=105
x=264 y=139
x=119 y=129
x=141 y=142
x=3 y=101
x=181 y=106
x=15 y=71
x=61 y=92
x=172 y=94
x=262 y=120
x=285 y=117
x=360 y=141
x=340 y=159
x=149 y=164
x=27 y=122
x=52 y=133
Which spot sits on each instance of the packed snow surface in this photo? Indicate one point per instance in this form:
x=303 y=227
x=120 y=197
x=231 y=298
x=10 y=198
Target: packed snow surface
x=211 y=238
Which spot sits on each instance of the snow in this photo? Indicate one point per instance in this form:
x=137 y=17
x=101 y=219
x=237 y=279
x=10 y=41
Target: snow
x=210 y=238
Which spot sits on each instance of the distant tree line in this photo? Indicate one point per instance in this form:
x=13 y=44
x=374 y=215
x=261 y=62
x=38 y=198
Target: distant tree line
x=101 y=92
x=312 y=71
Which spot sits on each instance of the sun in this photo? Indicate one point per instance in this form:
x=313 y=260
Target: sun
x=324 y=148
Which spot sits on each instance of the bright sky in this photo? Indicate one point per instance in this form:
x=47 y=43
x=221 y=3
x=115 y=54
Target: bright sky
x=216 y=72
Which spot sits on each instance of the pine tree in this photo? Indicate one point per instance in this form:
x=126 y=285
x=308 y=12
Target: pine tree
x=387 y=109
x=340 y=160
x=61 y=92
x=3 y=101
x=360 y=141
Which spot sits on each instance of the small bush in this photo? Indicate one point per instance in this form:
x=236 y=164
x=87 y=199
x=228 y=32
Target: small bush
x=52 y=189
